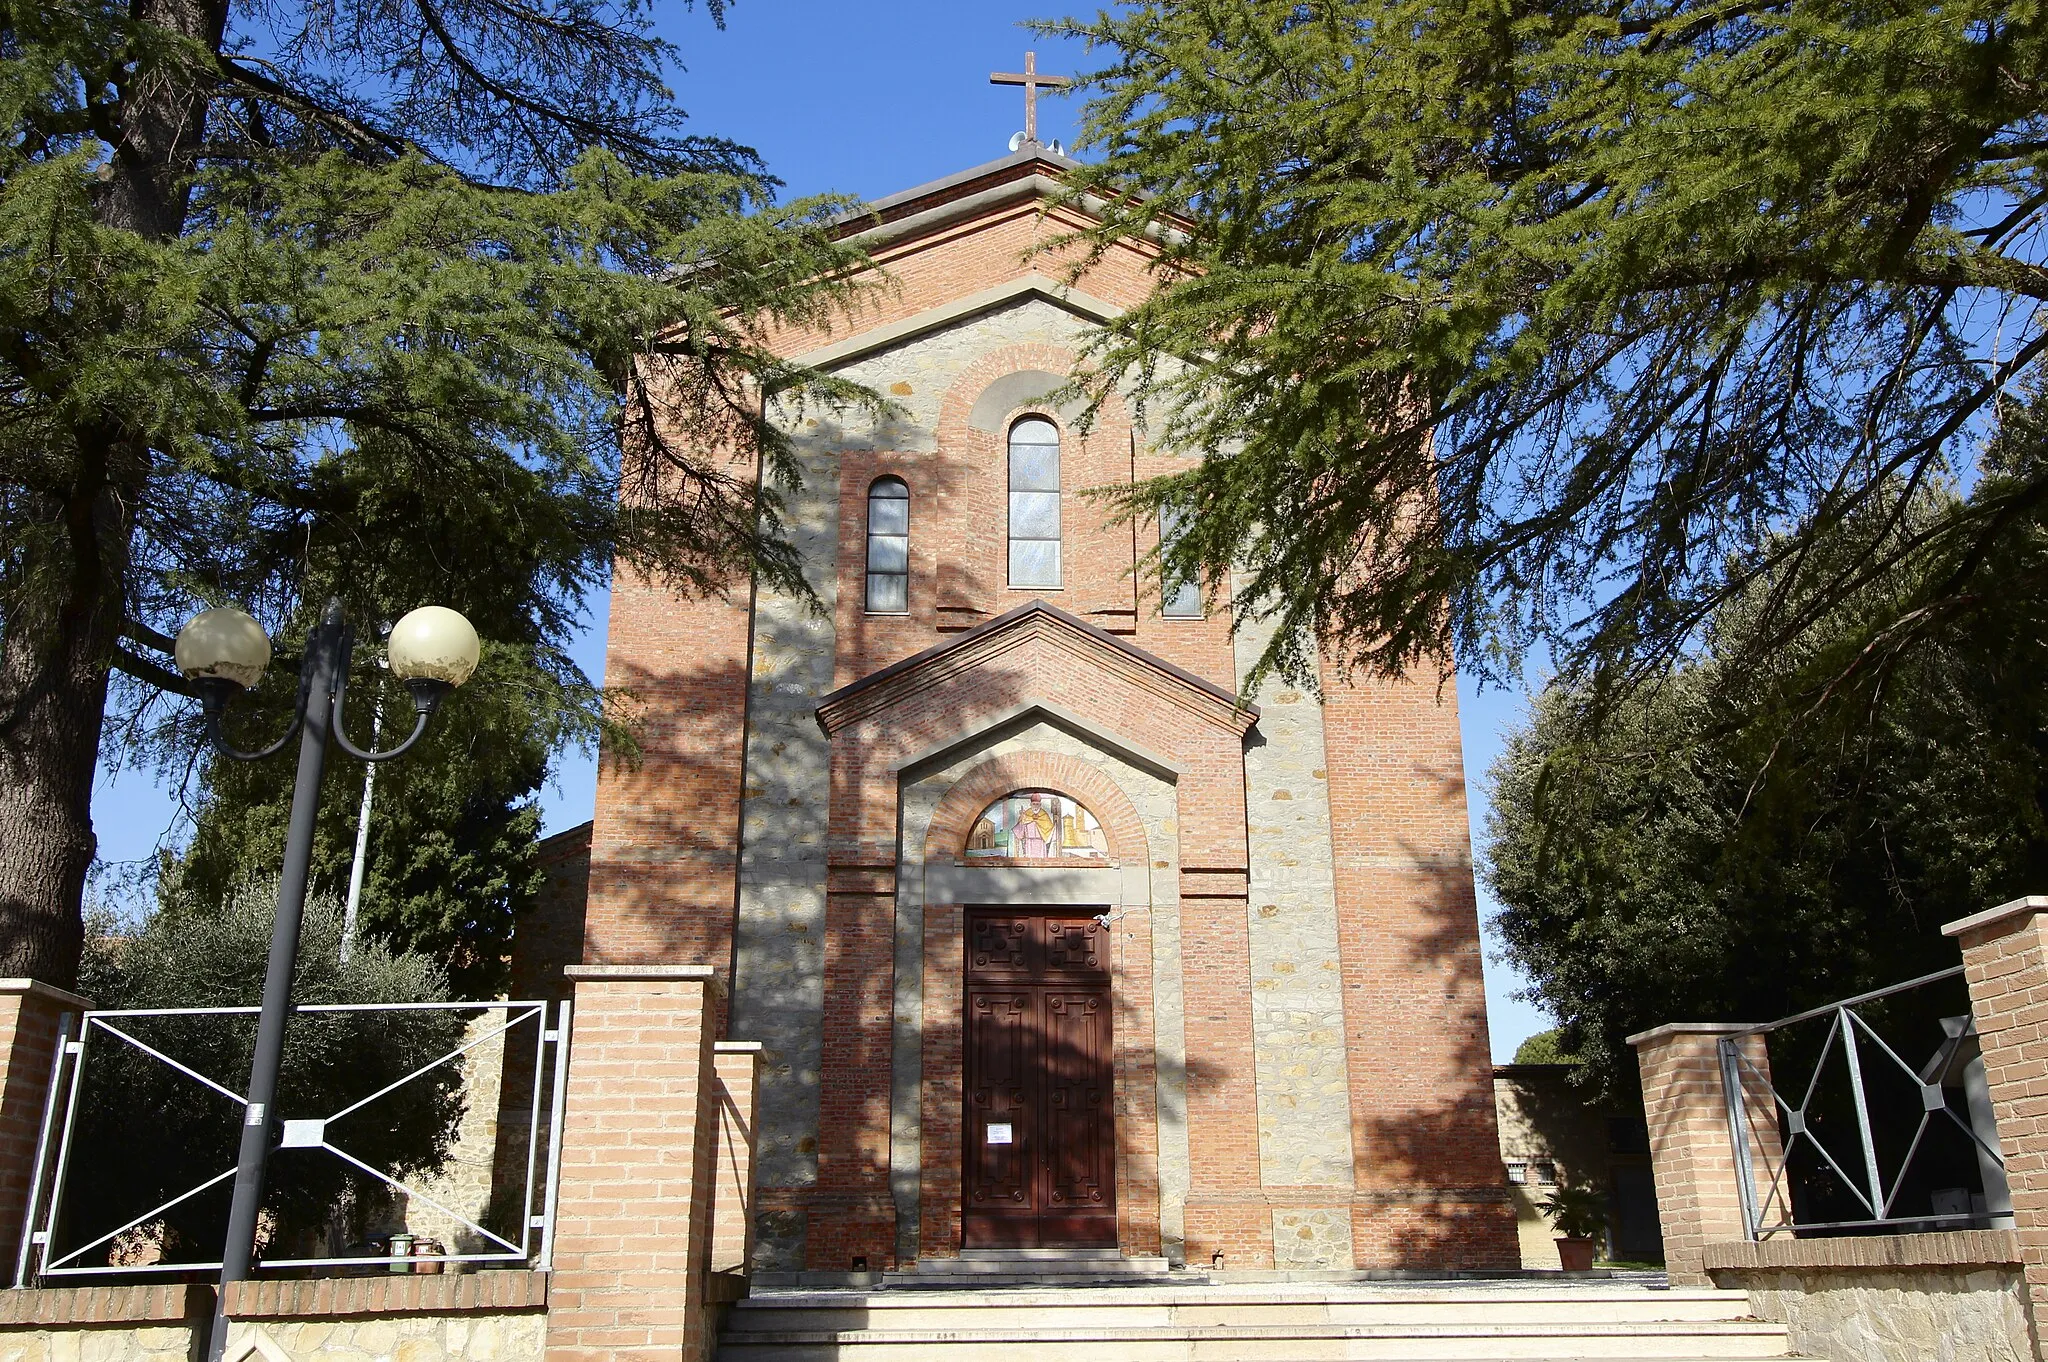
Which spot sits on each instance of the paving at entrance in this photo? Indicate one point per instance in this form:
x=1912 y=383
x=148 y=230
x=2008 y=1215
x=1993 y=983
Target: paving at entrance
x=1188 y=1318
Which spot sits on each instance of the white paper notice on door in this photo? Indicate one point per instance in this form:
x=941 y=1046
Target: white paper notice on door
x=1000 y=1132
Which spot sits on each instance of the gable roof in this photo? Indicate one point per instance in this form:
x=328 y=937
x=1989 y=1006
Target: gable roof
x=1031 y=172
x=1017 y=167
x=900 y=680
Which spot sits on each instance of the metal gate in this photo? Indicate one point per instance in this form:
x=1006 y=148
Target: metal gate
x=53 y=1246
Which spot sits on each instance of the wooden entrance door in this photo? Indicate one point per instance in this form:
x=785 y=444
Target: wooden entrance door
x=1040 y=1166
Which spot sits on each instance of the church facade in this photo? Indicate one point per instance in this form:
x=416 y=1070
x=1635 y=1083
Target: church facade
x=1050 y=941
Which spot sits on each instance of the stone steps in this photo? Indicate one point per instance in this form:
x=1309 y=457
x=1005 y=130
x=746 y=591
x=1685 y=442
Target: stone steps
x=1280 y=1322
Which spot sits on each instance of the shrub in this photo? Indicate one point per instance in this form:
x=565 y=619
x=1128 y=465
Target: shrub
x=147 y=1133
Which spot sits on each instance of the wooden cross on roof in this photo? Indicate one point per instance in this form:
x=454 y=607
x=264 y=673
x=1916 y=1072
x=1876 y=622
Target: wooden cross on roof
x=1032 y=81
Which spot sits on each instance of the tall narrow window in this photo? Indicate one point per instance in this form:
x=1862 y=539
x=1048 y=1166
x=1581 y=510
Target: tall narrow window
x=1034 y=503
x=1180 y=600
x=888 y=547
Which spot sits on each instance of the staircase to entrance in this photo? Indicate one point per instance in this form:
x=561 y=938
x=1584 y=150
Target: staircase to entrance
x=1141 y=1321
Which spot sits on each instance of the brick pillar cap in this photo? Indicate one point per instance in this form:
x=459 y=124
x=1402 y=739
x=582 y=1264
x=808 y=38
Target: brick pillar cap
x=2033 y=903
x=615 y=973
x=1670 y=1029
x=37 y=988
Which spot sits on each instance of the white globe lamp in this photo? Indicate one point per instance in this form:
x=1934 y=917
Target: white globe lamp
x=433 y=650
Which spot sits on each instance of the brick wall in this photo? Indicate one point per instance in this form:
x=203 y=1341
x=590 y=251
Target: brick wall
x=1427 y=1154
x=665 y=838
x=549 y=934
x=2005 y=960
x=1699 y=1195
x=632 y=1247
x=29 y=1017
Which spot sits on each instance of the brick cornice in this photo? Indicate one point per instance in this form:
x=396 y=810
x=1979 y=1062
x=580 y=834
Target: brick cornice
x=1035 y=623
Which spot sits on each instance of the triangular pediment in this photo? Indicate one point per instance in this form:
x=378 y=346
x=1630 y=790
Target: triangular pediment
x=976 y=242
x=1035 y=625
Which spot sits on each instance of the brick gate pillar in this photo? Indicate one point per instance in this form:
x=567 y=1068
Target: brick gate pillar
x=2005 y=961
x=29 y=1016
x=1699 y=1188
x=732 y=1197
x=640 y=1129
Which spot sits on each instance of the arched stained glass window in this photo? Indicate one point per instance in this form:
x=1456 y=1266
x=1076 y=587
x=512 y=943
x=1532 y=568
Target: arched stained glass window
x=1034 y=503
x=888 y=547
x=1037 y=825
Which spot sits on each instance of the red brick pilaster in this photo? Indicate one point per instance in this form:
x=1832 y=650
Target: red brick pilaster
x=1699 y=1191
x=633 y=1236
x=943 y=1092
x=1430 y=1189
x=2005 y=960
x=665 y=841
x=29 y=1016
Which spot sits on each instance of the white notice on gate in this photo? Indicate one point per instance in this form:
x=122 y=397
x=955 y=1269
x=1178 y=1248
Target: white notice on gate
x=999 y=1133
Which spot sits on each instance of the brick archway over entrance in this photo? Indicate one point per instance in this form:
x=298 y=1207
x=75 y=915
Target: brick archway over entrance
x=1134 y=1057
x=946 y=835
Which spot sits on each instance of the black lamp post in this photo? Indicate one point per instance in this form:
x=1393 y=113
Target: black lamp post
x=224 y=652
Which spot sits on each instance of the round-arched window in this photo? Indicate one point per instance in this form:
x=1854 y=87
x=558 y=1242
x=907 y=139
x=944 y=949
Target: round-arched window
x=1034 y=503
x=1037 y=825
x=888 y=547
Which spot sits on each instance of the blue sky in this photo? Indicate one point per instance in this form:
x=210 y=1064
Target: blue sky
x=861 y=99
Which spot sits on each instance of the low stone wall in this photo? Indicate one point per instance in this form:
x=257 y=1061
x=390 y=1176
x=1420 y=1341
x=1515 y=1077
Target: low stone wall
x=393 y=1338
x=479 y=1317
x=1950 y=1297
x=102 y=1323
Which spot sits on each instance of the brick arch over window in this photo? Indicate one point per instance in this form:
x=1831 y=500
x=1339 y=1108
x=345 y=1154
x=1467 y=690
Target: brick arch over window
x=946 y=836
x=1003 y=383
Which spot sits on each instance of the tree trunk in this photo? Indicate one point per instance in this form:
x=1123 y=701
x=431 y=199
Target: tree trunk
x=53 y=693
x=66 y=589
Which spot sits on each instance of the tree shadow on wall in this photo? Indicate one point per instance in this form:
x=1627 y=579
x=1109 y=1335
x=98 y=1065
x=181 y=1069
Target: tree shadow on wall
x=1438 y=1150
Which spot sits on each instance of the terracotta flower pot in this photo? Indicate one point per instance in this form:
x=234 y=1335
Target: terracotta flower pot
x=1576 y=1255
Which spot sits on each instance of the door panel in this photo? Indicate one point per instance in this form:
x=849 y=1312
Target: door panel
x=1040 y=1165
x=1080 y=1168
x=1001 y=1060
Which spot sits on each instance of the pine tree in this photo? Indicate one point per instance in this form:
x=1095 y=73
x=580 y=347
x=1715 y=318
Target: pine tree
x=367 y=297
x=1509 y=323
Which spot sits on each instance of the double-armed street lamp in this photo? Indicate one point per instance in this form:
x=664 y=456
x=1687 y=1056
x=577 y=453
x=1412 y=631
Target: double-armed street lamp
x=223 y=652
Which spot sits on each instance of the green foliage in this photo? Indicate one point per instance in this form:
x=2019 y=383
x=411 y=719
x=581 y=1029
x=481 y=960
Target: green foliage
x=1545 y=1047
x=1578 y=1211
x=147 y=1133
x=405 y=302
x=454 y=825
x=1498 y=324
x=1754 y=835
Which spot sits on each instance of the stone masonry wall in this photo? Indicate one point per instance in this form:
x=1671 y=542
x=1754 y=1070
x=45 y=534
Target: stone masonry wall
x=474 y=1317
x=510 y=1336
x=390 y=1338
x=1946 y=1297
x=1297 y=998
